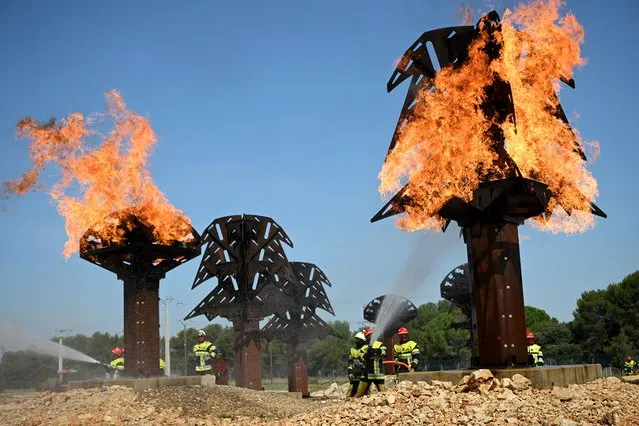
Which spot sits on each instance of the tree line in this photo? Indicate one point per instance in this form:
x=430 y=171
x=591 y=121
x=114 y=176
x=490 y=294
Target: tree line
x=604 y=329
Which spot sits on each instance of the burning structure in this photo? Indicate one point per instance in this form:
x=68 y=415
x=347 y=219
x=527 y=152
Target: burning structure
x=483 y=140
x=114 y=214
x=403 y=311
x=301 y=324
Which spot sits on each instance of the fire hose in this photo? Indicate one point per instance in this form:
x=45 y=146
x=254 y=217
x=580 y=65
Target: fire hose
x=403 y=364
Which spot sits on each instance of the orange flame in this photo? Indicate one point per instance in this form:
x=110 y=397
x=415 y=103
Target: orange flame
x=110 y=177
x=440 y=150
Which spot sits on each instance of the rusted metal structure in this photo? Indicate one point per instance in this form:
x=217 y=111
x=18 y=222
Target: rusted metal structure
x=405 y=312
x=140 y=261
x=246 y=255
x=301 y=324
x=499 y=205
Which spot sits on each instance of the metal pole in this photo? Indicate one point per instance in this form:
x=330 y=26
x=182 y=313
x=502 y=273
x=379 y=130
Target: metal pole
x=167 y=340
x=184 y=333
x=2 y=368
x=270 y=354
x=60 y=366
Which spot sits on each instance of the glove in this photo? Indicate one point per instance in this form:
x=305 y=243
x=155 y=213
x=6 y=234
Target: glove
x=351 y=377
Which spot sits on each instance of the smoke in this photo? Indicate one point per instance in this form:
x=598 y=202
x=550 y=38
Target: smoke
x=428 y=251
x=13 y=338
x=465 y=14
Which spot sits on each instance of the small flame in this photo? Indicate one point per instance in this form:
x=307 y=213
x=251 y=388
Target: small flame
x=442 y=148
x=110 y=177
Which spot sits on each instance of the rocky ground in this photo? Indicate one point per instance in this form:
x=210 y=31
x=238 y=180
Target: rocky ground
x=479 y=399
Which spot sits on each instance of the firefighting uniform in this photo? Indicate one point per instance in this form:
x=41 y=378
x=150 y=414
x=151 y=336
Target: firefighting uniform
x=373 y=356
x=409 y=354
x=204 y=354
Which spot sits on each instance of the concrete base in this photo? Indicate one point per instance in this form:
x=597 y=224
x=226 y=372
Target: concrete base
x=541 y=377
x=141 y=385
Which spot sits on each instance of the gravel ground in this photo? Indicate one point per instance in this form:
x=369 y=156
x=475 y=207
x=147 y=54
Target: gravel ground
x=178 y=405
x=229 y=402
x=479 y=399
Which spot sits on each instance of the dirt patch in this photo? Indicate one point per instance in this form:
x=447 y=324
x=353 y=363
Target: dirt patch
x=227 y=402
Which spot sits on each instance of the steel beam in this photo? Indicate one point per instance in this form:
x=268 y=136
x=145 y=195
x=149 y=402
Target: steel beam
x=298 y=374
x=499 y=326
x=248 y=363
x=141 y=327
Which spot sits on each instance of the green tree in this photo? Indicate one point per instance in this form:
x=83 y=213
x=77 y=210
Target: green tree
x=619 y=347
x=556 y=343
x=328 y=356
x=536 y=319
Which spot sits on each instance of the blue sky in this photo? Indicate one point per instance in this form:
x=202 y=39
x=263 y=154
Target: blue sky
x=280 y=109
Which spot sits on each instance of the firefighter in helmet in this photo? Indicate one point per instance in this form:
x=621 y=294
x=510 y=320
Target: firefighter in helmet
x=406 y=352
x=355 y=363
x=117 y=363
x=204 y=353
x=629 y=366
x=534 y=350
x=373 y=354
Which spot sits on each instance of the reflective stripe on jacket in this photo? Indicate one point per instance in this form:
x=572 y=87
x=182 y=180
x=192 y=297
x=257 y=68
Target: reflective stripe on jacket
x=537 y=354
x=373 y=356
x=117 y=365
x=355 y=363
x=407 y=353
x=204 y=353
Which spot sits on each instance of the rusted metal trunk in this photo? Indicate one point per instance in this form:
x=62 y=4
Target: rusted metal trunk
x=389 y=342
x=248 y=368
x=221 y=370
x=298 y=373
x=499 y=327
x=141 y=327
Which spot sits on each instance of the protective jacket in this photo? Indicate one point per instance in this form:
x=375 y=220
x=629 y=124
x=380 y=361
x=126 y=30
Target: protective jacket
x=537 y=354
x=355 y=364
x=408 y=353
x=117 y=365
x=373 y=356
x=204 y=354
x=629 y=366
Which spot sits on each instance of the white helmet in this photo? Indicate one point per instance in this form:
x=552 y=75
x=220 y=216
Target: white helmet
x=360 y=336
x=201 y=333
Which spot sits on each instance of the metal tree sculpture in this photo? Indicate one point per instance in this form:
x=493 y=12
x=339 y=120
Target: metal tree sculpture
x=457 y=289
x=140 y=261
x=301 y=324
x=503 y=198
x=246 y=255
x=404 y=312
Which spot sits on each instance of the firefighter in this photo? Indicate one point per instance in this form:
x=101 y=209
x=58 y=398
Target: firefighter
x=117 y=364
x=373 y=355
x=406 y=352
x=629 y=366
x=355 y=363
x=204 y=353
x=534 y=350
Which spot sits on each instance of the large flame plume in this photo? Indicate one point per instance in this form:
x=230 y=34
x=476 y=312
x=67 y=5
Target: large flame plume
x=444 y=151
x=110 y=177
